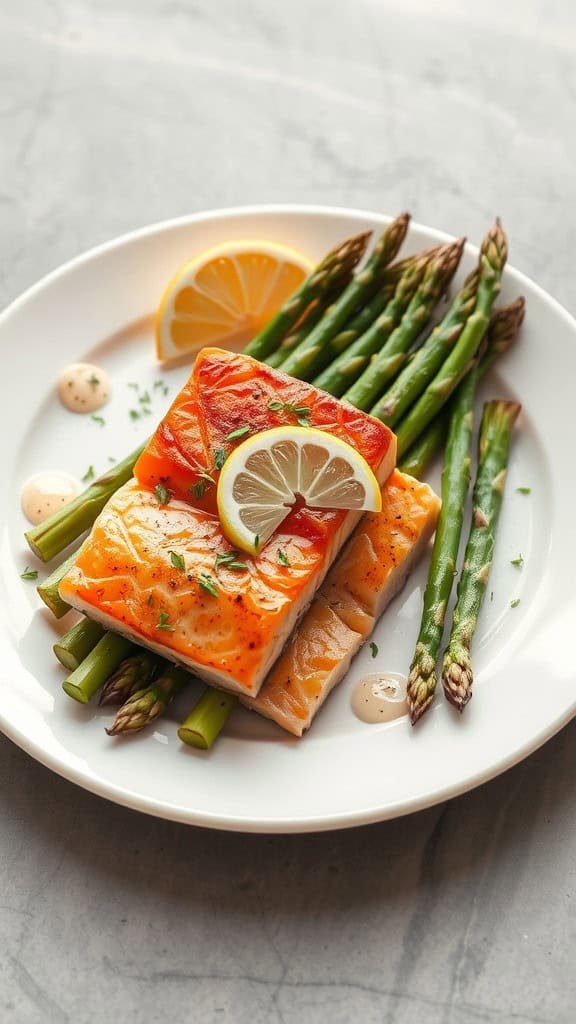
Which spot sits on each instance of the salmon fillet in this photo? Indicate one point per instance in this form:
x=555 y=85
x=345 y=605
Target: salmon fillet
x=148 y=569
x=368 y=574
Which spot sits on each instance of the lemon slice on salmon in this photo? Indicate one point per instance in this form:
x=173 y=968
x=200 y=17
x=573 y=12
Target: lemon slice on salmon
x=263 y=477
x=226 y=295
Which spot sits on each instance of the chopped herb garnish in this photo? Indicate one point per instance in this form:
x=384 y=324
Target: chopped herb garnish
x=206 y=583
x=134 y=414
x=177 y=560
x=158 y=384
x=256 y=542
x=93 y=380
x=517 y=561
x=146 y=411
x=144 y=398
x=162 y=493
x=164 y=390
x=111 y=458
x=239 y=432
x=229 y=559
x=164 y=622
x=282 y=558
x=524 y=490
x=29 y=574
x=99 y=420
x=201 y=486
x=515 y=602
x=219 y=458
x=491 y=595
x=373 y=649
x=301 y=412
x=88 y=475
x=198 y=489
x=132 y=384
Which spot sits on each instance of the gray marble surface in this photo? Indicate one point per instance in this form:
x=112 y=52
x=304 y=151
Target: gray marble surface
x=114 y=114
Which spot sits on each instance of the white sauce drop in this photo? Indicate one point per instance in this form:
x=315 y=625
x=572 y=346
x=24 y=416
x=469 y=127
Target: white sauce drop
x=45 y=493
x=83 y=387
x=380 y=697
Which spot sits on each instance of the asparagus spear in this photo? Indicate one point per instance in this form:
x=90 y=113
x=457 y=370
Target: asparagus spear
x=493 y=257
x=65 y=526
x=426 y=446
x=321 y=306
x=132 y=675
x=207 y=718
x=310 y=356
x=428 y=360
x=76 y=644
x=48 y=589
x=338 y=264
x=94 y=670
x=384 y=366
x=147 y=704
x=368 y=312
x=312 y=316
x=455 y=483
x=347 y=366
x=504 y=325
x=493 y=448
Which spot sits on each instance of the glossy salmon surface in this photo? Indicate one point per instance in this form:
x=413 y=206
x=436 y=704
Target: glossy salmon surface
x=152 y=567
x=368 y=574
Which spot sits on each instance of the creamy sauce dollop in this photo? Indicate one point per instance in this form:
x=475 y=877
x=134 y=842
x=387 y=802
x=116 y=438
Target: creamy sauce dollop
x=44 y=493
x=83 y=387
x=380 y=697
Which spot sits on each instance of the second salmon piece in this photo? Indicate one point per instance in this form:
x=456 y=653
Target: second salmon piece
x=369 y=573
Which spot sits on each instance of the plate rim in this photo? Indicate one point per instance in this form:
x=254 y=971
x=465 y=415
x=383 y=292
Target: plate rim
x=127 y=797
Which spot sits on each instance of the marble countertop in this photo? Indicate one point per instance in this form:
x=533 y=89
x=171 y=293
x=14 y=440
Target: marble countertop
x=117 y=114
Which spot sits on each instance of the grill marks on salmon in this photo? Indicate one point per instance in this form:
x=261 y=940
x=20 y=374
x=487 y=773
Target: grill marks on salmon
x=371 y=570
x=124 y=574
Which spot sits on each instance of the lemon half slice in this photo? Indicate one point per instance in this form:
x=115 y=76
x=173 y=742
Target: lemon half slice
x=263 y=476
x=226 y=295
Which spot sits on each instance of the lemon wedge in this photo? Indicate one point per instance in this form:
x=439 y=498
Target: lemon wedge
x=264 y=475
x=226 y=295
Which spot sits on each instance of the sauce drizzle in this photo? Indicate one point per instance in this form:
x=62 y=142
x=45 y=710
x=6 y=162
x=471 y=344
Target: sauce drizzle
x=44 y=493
x=83 y=387
x=380 y=697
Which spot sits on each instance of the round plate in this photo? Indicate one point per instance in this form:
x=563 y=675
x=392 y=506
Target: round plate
x=99 y=308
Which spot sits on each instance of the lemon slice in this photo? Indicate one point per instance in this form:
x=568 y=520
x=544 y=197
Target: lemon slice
x=264 y=475
x=225 y=295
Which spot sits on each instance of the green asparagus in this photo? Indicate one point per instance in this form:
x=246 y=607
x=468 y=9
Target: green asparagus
x=427 y=361
x=147 y=704
x=347 y=366
x=336 y=265
x=492 y=257
x=207 y=718
x=311 y=354
x=133 y=674
x=97 y=666
x=493 y=449
x=504 y=325
x=76 y=644
x=48 y=589
x=383 y=367
x=455 y=483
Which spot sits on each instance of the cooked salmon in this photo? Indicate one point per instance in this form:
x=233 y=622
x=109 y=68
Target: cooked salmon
x=152 y=565
x=368 y=574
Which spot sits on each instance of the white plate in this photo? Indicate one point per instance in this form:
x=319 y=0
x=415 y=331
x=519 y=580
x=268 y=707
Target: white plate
x=344 y=773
